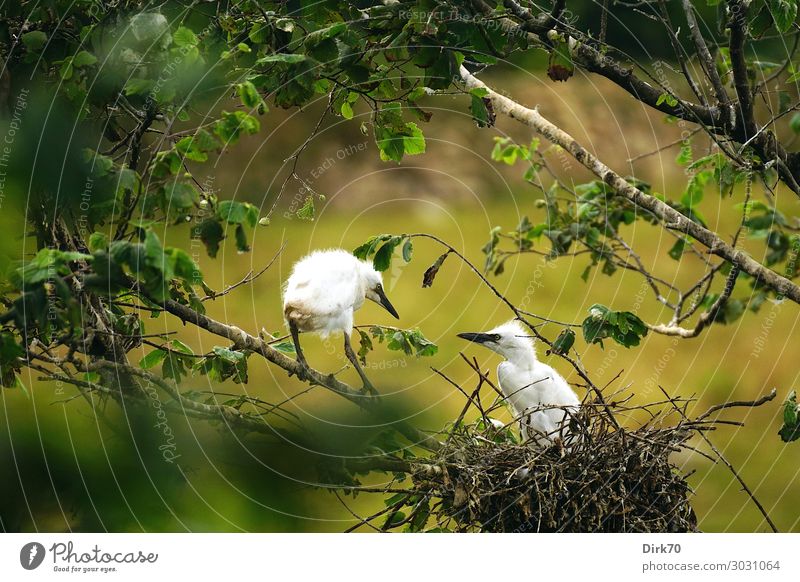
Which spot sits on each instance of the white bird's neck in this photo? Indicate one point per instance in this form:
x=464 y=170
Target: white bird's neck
x=522 y=355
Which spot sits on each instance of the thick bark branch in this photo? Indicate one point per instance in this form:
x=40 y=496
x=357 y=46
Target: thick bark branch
x=716 y=120
x=671 y=217
x=594 y=61
x=243 y=340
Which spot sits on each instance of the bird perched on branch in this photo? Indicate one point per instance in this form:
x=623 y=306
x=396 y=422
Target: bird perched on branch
x=322 y=293
x=540 y=398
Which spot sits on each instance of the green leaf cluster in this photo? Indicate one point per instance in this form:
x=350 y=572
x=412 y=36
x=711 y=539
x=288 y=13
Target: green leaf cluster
x=790 y=431
x=381 y=247
x=623 y=327
x=409 y=341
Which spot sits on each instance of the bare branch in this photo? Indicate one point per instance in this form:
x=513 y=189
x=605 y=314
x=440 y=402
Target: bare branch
x=706 y=60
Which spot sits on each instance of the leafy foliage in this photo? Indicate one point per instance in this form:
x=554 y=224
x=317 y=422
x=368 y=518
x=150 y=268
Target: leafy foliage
x=410 y=342
x=125 y=85
x=623 y=327
x=382 y=248
x=790 y=431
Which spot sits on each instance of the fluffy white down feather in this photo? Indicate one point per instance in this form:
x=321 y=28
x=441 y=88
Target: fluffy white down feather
x=325 y=288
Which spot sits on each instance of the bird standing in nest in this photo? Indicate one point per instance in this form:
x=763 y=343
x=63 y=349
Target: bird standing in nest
x=322 y=294
x=540 y=398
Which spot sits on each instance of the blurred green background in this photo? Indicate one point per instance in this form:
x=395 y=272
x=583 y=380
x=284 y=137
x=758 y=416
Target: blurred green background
x=68 y=465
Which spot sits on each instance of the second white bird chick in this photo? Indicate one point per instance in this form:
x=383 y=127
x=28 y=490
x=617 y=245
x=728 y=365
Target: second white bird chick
x=540 y=398
x=322 y=294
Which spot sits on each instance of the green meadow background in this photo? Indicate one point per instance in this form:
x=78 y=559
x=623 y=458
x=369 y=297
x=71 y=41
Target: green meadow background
x=71 y=466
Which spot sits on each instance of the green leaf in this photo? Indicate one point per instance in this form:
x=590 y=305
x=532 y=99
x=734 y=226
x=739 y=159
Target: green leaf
x=97 y=241
x=174 y=367
x=223 y=364
x=285 y=347
x=563 y=342
x=152 y=359
x=66 y=69
x=408 y=250
x=394 y=140
x=47 y=264
x=83 y=59
x=329 y=32
x=34 y=40
x=230 y=127
x=184 y=266
x=184 y=37
x=347 y=110
x=383 y=258
x=241 y=239
x=234 y=212
x=250 y=96
x=677 y=250
x=307 y=211
x=790 y=431
x=784 y=13
x=228 y=355
x=196 y=147
x=668 y=99
x=211 y=234
x=181 y=347
x=10 y=364
x=482 y=113
x=395 y=518
x=180 y=197
x=623 y=327
x=422 y=345
x=413 y=140
x=365 y=346
x=136 y=86
x=685 y=155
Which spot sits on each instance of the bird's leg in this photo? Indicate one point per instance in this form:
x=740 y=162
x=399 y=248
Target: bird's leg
x=301 y=359
x=351 y=355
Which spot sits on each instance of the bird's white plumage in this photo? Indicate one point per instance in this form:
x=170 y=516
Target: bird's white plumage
x=531 y=386
x=324 y=290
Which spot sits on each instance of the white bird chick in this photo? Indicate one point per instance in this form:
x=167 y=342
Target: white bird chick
x=540 y=398
x=322 y=293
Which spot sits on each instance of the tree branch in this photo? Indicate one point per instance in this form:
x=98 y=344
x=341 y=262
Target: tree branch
x=738 y=37
x=671 y=217
x=243 y=340
x=716 y=120
x=706 y=60
x=706 y=317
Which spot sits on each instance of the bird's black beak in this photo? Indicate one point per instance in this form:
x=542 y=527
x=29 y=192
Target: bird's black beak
x=478 y=338
x=384 y=301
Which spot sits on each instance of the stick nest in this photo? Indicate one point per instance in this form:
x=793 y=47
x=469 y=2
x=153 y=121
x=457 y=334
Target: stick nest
x=600 y=479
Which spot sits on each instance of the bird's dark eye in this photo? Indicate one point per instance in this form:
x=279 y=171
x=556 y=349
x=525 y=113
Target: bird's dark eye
x=496 y=337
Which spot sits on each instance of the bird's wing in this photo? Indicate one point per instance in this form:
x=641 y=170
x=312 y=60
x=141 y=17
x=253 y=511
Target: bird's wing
x=557 y=391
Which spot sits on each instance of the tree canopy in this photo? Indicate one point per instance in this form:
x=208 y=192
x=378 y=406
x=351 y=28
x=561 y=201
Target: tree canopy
x=107 y=121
